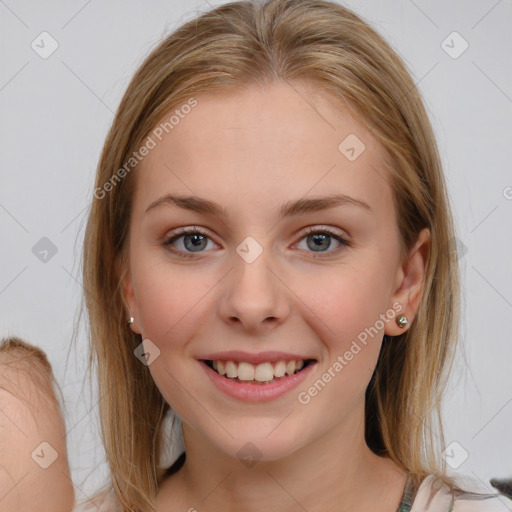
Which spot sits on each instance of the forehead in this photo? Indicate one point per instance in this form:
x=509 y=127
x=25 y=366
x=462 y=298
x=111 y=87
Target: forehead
x=263 y=146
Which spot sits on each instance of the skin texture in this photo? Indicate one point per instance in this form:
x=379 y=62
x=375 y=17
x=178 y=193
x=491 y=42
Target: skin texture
x=29 y=417
x=252 y=152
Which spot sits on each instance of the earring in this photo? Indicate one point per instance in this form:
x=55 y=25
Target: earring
x=131 y=318
x=401 y=321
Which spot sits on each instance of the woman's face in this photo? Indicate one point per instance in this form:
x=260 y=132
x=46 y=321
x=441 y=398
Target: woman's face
x=254 y=286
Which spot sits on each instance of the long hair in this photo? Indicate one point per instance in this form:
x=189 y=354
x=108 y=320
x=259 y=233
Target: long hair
x=233 y=46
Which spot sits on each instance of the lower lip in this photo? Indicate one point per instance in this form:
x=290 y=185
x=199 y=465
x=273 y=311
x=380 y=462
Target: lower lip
x=257 y=392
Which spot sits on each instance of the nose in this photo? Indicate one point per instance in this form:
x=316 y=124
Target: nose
x=254 y=297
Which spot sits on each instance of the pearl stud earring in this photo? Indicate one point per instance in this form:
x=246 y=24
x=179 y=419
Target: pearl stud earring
x=402 y=321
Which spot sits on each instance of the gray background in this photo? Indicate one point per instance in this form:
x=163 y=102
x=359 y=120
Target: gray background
x=55 y=113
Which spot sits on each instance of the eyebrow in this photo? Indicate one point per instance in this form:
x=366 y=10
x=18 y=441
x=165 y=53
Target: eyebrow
x=289 y=209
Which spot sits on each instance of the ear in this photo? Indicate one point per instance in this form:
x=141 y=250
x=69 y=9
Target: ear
x=409 y=282
x=128 y=294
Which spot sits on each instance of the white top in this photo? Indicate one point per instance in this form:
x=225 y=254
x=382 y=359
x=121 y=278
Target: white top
x=435 y=496
x=432 y=496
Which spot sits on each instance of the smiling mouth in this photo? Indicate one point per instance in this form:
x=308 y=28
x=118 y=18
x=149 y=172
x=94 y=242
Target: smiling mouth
x=264 y=373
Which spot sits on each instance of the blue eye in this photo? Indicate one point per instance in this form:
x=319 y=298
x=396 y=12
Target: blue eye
x=194 y=240
x=321 y=239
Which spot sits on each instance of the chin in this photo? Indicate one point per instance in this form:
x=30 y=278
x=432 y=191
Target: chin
x=254 y=441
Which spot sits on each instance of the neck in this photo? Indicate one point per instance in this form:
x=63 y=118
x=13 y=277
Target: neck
x=336 y=471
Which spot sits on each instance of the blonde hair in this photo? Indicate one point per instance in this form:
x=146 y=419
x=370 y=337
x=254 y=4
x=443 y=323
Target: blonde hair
x=246 y=43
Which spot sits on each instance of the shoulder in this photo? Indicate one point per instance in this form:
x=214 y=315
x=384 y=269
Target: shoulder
x=433 y=495
x=27 y=397
x=33 y=467
x=472 y=502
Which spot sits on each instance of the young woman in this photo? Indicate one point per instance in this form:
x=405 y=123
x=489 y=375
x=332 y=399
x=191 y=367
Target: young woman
x=270 y=257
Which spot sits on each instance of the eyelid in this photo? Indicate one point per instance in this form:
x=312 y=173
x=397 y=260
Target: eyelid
x=315 y=228
x=188 y=230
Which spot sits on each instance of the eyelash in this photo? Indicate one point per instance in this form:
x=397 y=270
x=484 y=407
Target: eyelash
x=195 y=230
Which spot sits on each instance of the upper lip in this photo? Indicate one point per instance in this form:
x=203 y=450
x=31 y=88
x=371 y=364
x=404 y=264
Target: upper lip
x=260 y=357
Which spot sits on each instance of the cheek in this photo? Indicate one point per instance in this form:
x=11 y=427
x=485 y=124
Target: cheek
x=349 y=308
x=350 y=301
x=169 y=299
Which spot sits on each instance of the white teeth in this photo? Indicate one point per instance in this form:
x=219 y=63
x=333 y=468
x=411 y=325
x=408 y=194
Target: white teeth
x=231 y=370
x=290 y=367
x=280 y=369
x=264 y=372
x=245 y=371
